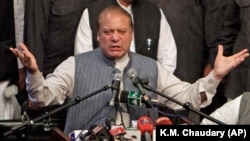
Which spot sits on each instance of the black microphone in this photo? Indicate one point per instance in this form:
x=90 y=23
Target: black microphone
x=115 y=87
x=84 y=137
x=137 y=83
x=97 y=133
x=115 y=131
x=110 y=121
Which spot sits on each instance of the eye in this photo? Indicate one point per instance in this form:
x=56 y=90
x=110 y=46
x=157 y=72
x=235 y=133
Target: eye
x=107 y=32
x=122 y=31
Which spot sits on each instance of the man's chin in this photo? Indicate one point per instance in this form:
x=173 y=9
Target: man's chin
x=115 y=56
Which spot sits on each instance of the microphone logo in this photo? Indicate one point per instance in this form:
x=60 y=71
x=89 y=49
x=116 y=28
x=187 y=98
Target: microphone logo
x=134 y=98
x=137 y=83
x=145 y=121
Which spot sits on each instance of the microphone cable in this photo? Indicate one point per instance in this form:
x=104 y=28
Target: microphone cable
x=171 y=115
x=120 y=112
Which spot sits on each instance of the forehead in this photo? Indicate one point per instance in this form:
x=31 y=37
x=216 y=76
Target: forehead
x=114 y=20
x=114 y=14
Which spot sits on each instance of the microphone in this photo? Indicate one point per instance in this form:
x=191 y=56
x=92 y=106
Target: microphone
x=110 y=121
x=117 y=132
x=145 y=125
x=137 y=83
x=96 y=132
x=163 y=121
x=115 y=87
x=134 y=98
x=87 y=134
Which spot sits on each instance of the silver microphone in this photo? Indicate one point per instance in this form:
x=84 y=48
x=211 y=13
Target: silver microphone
x=132 y=74
x=115 y=87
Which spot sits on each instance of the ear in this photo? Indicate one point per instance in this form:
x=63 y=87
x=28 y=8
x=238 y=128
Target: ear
x=98 y=38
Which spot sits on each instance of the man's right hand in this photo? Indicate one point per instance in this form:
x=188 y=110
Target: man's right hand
x=26 y=57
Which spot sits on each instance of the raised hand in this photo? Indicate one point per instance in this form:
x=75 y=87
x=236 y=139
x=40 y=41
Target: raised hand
x=26 y=57
x=223 y=65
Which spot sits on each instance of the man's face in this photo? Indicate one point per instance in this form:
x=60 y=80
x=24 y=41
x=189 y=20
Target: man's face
x=114 y=35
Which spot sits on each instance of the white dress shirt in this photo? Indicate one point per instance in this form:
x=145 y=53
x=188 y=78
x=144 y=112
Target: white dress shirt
x=19 y=6
x=227 y=113
x=60 y=85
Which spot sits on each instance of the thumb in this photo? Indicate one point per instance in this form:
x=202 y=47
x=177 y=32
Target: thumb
x=220 y=50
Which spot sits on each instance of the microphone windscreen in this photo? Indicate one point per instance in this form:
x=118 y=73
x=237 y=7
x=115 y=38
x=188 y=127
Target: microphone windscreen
x=145 y=124
x=118 y=76
x=117 y=130
x=110 y=121
x=131 y=73
x=116 y=71
x=99 y=133
x=163 y=121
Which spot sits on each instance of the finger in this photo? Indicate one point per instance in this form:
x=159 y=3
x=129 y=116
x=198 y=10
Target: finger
x=237 y=62
x=25 y=50
x=244 y=53
x=220 y=50
x=27 y=58
x=13 y=51
x=241 y=58
x=16 y=52
x=22 y=47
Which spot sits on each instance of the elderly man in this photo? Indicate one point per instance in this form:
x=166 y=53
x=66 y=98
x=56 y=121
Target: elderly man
x=87 y=72
x=152 y=34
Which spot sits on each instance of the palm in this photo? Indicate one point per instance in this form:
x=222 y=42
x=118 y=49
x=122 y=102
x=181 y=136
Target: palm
x=223 y=65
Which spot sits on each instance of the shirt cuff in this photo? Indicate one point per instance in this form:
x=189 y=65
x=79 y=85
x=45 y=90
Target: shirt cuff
x=34 y=78
x=209 y=86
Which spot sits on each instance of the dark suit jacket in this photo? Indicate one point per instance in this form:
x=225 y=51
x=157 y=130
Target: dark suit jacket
x=197 y=27
x=50 y=27
x=8 y=63
x=238 y=79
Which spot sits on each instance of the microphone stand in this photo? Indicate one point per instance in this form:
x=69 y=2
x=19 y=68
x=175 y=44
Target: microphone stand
x=69 y=104
x=186 y=105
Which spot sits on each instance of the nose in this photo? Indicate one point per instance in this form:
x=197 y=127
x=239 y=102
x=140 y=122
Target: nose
x=115 y=36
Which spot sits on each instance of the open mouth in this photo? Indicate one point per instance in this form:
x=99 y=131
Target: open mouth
x=115 y=48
